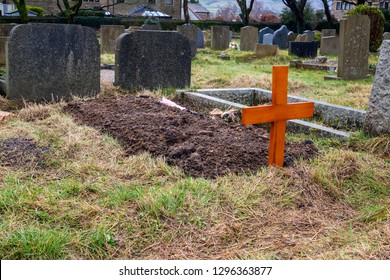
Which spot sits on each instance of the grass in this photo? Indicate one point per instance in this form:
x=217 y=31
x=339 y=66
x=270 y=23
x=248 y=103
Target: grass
x=89 y=201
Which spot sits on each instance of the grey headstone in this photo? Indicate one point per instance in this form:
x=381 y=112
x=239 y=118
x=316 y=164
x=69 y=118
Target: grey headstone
x=220 y=37
x=152 y=59
x=200 y=38
x=329 y=45
x=377 y=120
x=328 y=32
x=248 y=38
x=310 y=35
x=57 y=61
x=280 y=38
x=386 y=36
x=191 y=32
x=291 y=36
x=108 y=36
x=264 y=31
x=354 y=47
x=268 y=39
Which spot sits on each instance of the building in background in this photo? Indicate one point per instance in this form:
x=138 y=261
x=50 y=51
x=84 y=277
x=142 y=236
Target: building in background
x=339 y=8
x=7 y=6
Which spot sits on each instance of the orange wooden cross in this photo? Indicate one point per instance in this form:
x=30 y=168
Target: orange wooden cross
x=277 y=114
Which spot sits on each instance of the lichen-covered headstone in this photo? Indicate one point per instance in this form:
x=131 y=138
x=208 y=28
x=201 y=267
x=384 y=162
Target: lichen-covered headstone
x=377 y=120
x=220 y=37
x=354 y=47
x=52 y=61
x=263 y=50
x=329 y=45
x=191 y=32
x=328 y=32
x=310 y=35
x=386 y=36
x=280 y=38
x=152 y=59
x=263 y=31
x=248 y=38
x=108 y=36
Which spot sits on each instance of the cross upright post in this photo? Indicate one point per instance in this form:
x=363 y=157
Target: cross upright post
x=277 y=114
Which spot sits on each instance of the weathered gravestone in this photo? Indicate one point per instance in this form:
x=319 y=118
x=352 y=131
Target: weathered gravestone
x=220 y=37
x=329 y=45
x=291 y=37
x=263 y=31
x=200 y=38
x=152 y=59
x=328 y=32
x=5 y=29
x=46 y=61
x=377 y=120
x=353 y=47
x=280 y=38
x=249 y=37
x=268 y=39
x=386 y=36
x=108 y=36
x=191 y=32
x=266 y=50
x=304 y=49
x=300 y=38
x=310 y=35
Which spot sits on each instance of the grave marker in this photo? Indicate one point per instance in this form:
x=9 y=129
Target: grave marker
x=263 y=31
x=249 y=37
x=277 y=114
x=268 y=39
x=191 y=32
x=280 y=38
x=220 y=37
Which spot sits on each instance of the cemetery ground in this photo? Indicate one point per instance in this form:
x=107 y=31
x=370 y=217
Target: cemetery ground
x=70 y=191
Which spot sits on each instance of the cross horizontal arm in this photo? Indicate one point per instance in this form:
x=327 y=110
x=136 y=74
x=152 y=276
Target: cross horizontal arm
x=274 y=113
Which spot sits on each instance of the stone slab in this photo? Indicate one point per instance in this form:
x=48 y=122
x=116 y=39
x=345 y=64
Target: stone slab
x=303 y=49
x=329 y=45
x=152 y=59
x=266 y=50
x=52 y=61
x=220 y=37
x=328 y=32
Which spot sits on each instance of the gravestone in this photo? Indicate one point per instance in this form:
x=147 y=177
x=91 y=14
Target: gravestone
x=266 y=50
x=191 y=32
x=249 y=36
x=263 y=31
x=268 y=39
x=5 y=29
x=328 y=32
x=386 y=36
x=377 y=120
x=329 y=45
x=220 y=37
x=304 y=49
x=291 y=36
x=300 y=38
x=280 y=38
x=56 y=61
x=108 y=36
x=206 y=38
x=310 y=35
x=354 y=47
x=152 y=59
x=200 y=38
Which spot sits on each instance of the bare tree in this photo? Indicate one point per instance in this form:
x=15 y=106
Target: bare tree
x=69 y=11
x=327 y=10
x=297 y=7
x=245 y=10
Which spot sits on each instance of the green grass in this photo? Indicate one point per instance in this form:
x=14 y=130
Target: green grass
x=89 y=201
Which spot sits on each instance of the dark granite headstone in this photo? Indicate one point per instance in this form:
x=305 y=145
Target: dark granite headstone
x=304 y=49
x=281 y=38
x=153 y=59
x=263 y=31
x=46 y=61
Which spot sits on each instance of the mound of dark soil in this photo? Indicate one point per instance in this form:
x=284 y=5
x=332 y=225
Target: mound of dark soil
x=22 y=152
x=201 y=146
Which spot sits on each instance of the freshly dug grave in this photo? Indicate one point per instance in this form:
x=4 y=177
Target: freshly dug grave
x=200 y=145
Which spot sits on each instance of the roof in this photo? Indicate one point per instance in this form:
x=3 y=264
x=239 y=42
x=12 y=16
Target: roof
x=16 y=14
x=146 y=11
x=197 y=8
x=192 y=15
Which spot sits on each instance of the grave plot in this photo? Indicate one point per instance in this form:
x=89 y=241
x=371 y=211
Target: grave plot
x=198 y=144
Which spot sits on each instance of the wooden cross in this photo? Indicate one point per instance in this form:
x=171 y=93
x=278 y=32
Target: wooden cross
x=277 y=114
